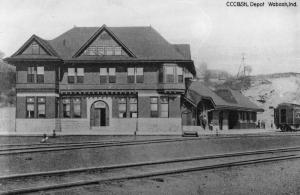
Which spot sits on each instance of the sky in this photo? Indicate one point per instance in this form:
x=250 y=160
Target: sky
x=218 y=34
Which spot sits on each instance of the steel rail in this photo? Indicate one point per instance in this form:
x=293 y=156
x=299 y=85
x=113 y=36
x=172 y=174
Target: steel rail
x=194 y=158
x=207 y=136
x=149 y=174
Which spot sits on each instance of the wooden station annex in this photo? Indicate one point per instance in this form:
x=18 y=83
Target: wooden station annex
x=102 y=80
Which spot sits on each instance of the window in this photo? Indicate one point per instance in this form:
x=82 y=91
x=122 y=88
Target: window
x=112 y=75
x=76 y=108
x=247 y=116
x=118 y=51
x=154 y=106
x=66 y=108
x=139 y=75
x=253 y=116
x=179 y=74
x=133 y=107
x=104 y=44
x=35 y=48
x=109 y=51
x=103 y=75
x=30 y=107
x=100 y=51
x=71 y=75
x=40 y=74
x=80 y=75
x=30 y=74
x=283 y=115
x=130 y=77
x=41 y=107
x=164 y=107
x=122 y=108
x=169 y=74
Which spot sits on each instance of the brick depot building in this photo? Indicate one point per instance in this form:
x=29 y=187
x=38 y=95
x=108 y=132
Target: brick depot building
x=104 y=80
x=115 y=80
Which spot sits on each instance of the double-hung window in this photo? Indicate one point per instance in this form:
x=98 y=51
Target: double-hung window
x=30 y=107
x=66 y=108
x=41 y=107
x=30 y=74
x=40 y=74
x=169 y=74
x=130 y=77
x=133 y=107
x=154 y=106
x=112 y=75
x=80 y=75
x=139 y=75
x=164 y=107
x=179 y=74
x=122 y=108
x=76 y=108
x=71 y=75
x=103 y=75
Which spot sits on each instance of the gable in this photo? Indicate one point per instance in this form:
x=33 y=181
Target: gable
x=34 y=49
x=104 y=45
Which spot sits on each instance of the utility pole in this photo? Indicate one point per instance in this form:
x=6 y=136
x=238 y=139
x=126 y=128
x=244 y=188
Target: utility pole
x=242 y=69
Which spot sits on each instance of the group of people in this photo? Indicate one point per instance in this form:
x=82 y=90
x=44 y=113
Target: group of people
x=261 y=124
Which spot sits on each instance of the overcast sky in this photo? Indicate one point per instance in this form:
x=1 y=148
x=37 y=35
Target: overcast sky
x=218 y=34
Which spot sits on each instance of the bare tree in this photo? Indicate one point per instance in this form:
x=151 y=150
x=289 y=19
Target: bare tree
x=1 y=54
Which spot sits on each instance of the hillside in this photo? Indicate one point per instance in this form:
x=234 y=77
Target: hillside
x=268 y=91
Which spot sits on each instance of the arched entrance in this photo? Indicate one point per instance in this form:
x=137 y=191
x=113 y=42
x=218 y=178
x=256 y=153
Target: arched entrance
x=99 y=114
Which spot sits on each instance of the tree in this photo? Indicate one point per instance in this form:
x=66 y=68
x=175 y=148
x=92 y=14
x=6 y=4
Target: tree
x=1 y=54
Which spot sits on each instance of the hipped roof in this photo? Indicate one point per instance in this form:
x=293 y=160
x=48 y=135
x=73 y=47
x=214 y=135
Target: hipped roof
x=198 y=91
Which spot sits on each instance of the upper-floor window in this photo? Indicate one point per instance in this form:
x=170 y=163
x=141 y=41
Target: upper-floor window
x=31 y=74
x=130 y=77
x=71 y=75
x=77 y=73
x=168 y=73
x=107 y=75
x=139 y=75
x=35 y=74
x=40 y=74
x=80 y=75
x=30 y=107
x=135 y=75
x=180 y=74
x=112 y=75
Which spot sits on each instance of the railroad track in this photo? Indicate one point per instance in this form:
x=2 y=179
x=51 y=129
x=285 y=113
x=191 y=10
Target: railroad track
x=95 y=175
x=47 y=147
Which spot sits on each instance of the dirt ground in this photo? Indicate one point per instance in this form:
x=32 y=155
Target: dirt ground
x=268 y=178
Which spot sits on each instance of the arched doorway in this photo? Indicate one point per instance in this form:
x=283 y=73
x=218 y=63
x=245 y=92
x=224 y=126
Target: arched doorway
x=99 y=114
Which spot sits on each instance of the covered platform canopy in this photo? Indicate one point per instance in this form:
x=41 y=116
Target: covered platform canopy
x=221 y=99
